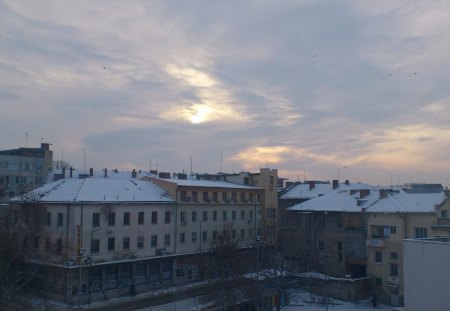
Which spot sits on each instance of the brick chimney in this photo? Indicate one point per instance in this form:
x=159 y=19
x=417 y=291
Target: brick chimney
x=312 y=184
x=133 y=173
x=347 y=182
x=106 y=172
x=71 y=171
x=91 y=172
x=335 y=183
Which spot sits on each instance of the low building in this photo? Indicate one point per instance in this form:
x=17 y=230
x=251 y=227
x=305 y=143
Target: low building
x=426 y=269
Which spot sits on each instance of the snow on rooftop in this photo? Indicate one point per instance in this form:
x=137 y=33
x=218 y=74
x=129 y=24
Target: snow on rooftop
x=304 y=191
x=99 y=189
x=402 y=201
x=207 y=183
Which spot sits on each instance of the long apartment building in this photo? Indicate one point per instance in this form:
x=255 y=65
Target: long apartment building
x=106 y=235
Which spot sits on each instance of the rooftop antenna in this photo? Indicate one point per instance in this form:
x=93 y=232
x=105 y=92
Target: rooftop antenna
x=84 y=157
x=149 y=164
x=26 y=135
x=221 y=158
x=191 y=164
x=62 y=155
x=233 y=166
x=304 y=176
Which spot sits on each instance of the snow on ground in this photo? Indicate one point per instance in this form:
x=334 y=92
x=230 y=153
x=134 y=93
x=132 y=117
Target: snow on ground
x=300 y=301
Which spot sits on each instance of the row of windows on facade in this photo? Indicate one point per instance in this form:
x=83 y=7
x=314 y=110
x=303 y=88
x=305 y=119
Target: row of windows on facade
x=21 y=166
x=20 y=180
x=213 y=197
x=384 y=232
x=111 y=218
x=140 y=243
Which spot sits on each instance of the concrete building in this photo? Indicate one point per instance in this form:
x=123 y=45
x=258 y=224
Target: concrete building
x=426 y=269
x=23 y=169
x=111 y=234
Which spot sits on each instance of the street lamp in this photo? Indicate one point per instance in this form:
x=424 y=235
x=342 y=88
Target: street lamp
x=89 y=258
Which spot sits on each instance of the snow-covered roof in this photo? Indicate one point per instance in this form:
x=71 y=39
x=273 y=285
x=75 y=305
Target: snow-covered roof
x=305 y=191
x=98 y=190
x=207 y=183
x=404 y=202
x=341 y=200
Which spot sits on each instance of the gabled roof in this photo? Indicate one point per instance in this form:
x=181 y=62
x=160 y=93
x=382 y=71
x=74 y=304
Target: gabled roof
x=404 y=202
x=304 y=191
x=97 y=190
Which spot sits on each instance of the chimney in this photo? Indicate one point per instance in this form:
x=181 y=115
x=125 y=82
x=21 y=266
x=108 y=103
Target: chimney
x=71 y=170
x=91 y=172
x=347 y=182
x=164 y=175
x=335 y=183
x=363 y=193
x=64 y=172
x=45 y=145
x=106 y=172
x=383 y=193
x=133 y=173
x=312 y=184
x=154 y=172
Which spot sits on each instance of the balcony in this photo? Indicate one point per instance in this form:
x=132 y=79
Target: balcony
x=376 y=243
x=442 y=222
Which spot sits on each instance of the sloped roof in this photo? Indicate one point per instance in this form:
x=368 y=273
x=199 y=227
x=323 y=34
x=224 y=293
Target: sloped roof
x=403 y=202
x=207 y=183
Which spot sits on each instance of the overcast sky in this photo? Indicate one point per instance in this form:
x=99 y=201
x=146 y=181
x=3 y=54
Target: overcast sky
x=308 y=87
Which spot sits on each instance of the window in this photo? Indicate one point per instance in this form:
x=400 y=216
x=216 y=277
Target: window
x=214 y=196
x=183 y=196
x=379 y=281
x=214 y=235
x=250 y=233
x=167 y=240
x=233 y=233
x=111 y=244
x=214 y=215
x=258 y=197
x=126 y=218
x=183 y=216
x=60 y=219
x=378 y=257
x=224 y=197
x=59 y=245
x=205 y=216
x=394 y=255
x=154 y=218
x=394 y=269
x=140 y=242
x=250 y=197
x=242 y=197
x=182 y=237
x=444 y=214
x=421 y=233
x=194 y=196
x=224 y=214
x=393 y=230
x=204 y=235
x=95 y=246
x=140 y=218
x=242 y=214
x=233 y=215
x=49 y=219
x=154 y=241
x=167 y=217
x=321 y=222
x=339 y=249
x=194 y=237
x=242 y=233
x=194 y=216
x=111 y=219
x=95 y=219
x=233 y=197
x=339 y=221
x=250 y=214
x=205 y=197
x=126 y=243
x=321 y=246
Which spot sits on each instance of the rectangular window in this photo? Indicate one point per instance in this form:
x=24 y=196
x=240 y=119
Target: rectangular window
x=182 y=237
x=194 y=216
x=394 y=256
x=242 y=214
x=167 y=240
x=224 y=197
x=242 y=233
x=154 y=241
x=250 y=214
x=339 y=249
x=49 y=219
x=321 y=222
x=378 y=257
x=140 y=242
x=140 y=218
x=205 y=216
x=250 y=197
x=95 y=219
x=154 y=218
x=394 y=269
x=194 y=196
x=167 y=217
x=214 y=196
x=321 y=246
x=205 y=197
x=194 y=236
x=233 y=197
x=233 y=233
x=444 y=214
x=183 y=216
x=393 y=230
x=111 y=219
x=243 y=197
x=420 y=233
x=126 y=218
x=233 y=215
x=258 y=197
x=183 y=196
x=250 y=233
x=204 y=236
x=379 y=281
x=111 y=244
x=60 y=219
x=59 y=245
x=126 y=243
x=95 y=246
x=224 y=215
x=214 y=215
x=214 y=235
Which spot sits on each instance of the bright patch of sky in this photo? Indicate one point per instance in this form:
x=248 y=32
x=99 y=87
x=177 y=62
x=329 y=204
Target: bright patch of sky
x=308 y=87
